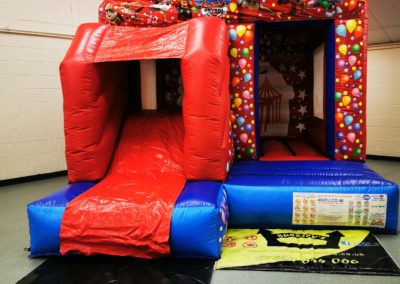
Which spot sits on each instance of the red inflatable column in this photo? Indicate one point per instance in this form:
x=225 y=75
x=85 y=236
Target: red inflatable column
x=205 y=73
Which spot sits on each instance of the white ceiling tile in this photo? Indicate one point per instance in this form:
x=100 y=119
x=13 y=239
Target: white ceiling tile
x=377 y=36
x=393 y=33
x=386 y=12
x=372 y=23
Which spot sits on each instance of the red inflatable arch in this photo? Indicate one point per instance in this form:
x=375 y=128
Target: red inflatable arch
x=94 y=82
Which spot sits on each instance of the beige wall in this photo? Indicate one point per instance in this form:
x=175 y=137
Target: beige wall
x=383 y=101
x=31 y=119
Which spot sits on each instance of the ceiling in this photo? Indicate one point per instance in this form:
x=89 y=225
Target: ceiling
x=384 y=21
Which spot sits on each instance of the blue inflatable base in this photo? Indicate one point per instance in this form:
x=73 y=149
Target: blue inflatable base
x=45 y=218
x=302 y=195
x=278 y=195
x=198 y=224
x=199 y=220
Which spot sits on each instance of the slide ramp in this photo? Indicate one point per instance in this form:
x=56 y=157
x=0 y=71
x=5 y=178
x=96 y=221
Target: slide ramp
x=129 y=212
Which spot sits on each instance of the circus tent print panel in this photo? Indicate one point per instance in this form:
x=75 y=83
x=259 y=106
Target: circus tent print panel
x=274 y=101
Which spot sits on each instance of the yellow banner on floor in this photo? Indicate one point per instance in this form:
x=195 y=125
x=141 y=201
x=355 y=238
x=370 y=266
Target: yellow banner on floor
x=245 y=247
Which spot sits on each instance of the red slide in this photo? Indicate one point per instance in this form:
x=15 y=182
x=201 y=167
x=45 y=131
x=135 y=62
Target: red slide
x=128 y=213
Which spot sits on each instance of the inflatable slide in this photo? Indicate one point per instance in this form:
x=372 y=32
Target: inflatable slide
x=140 y=173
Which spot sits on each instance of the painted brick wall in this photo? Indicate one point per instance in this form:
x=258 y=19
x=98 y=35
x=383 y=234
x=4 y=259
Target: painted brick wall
x=31 y=119
x=383 y=101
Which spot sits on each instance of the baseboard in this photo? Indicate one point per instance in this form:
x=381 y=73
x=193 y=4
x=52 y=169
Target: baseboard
x=32 y=178
x=387 y=158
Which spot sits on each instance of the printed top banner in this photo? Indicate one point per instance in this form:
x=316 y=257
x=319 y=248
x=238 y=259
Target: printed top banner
x=166 y=12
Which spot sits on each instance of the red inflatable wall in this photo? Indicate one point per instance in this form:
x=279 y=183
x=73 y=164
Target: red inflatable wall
x=91 y=123
x=94 y=93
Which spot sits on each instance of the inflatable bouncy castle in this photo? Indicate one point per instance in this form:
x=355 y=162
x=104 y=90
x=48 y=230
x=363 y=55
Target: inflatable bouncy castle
x=182 y=117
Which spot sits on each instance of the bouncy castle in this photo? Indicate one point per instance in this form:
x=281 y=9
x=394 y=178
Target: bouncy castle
x=184 y=117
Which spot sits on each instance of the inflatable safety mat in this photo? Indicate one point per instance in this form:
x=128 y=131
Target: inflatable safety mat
x=323 y=251
x=108 y=269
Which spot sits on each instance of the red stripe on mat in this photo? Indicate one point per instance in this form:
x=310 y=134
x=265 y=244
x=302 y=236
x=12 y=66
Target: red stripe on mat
x=276 y=150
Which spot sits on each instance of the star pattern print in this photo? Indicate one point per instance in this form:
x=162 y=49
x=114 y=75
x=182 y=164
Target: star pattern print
x=303 y=110
x=301 y=127
x=288 y=53
x=302 y=95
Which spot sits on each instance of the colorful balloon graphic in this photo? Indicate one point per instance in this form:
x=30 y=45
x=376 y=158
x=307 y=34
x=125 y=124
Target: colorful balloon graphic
x=352 y=5
x=248 y=36
x=249 y=151
x=244 y=137
x=357 y=127
x=233 y=52
x=339 y=117
x=346 y=100
x=340 y=136
x=351 y=137
x=352 y=60
x=344 y=78
x=246 y=94
x=351 y=25
x=232 y=7
x=237 y=102
x=247 y=77
x=343 y=49
x=357 y=152
x=359 y=32
x=245 y=52
x=338 y=96
x=341 y=30
x=343 y=149
x=242 y=63
x=240 y=121
x=241 y=90
x=348 y=119
x=232 y=34
x=356 y=48
x=240 y=29
x=235 y=81
x=357 y=75
x=356 y=92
